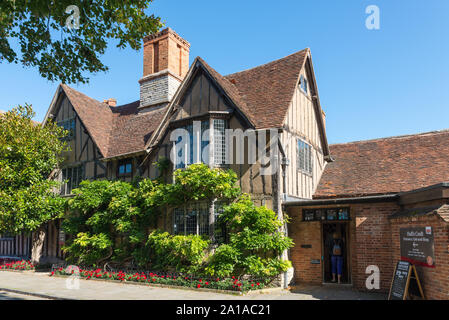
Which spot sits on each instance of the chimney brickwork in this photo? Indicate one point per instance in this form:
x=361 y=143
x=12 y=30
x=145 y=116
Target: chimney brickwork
x=165 y=64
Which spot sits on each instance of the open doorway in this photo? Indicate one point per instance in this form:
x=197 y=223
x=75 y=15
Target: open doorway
x=341 y=230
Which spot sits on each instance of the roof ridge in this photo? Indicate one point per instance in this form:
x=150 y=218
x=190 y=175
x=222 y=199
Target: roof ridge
x=267 y=63
x=77 y=91
x=434 y=132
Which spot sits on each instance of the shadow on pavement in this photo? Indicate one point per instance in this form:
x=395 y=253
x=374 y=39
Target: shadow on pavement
x=335 y=292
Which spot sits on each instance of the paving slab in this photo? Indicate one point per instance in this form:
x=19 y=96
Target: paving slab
x=56 y=287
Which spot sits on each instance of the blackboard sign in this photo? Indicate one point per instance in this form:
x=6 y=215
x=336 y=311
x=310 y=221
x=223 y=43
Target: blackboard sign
x=417 y=246
x=405 y=283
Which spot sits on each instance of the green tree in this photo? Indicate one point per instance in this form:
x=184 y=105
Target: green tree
x=28 y=155
x=64 y=38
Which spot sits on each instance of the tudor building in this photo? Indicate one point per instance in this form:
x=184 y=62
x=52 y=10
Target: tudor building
x=364 y=191
x=110 y=141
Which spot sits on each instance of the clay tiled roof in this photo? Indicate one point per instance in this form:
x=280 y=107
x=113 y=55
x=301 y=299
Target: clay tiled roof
x=96 y=117
x=440 y=210
x=132 y=129
x=267 y=90
x=115 y=130
x=388 y=165
x=262 y=94
x=230 y=90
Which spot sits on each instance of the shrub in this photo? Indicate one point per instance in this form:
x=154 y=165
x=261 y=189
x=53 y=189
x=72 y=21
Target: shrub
x=89 y=249
x=223 y=261
x=256 y=242
x=181 y=253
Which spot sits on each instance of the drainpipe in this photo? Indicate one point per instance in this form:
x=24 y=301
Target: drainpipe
x=284 y=163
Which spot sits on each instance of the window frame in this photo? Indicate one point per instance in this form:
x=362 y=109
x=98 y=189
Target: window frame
x=303 y=85
x=181 y=216
x=191 y=158
x=67 y=187
x=224 y=150
x=324 y=214
x=125 y=163
x=304 y=162
x=72 y=130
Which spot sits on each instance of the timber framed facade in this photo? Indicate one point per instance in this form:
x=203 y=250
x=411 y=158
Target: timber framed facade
x=365 y=191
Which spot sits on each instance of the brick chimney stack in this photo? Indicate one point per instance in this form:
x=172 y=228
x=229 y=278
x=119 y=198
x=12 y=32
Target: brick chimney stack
x=165 y=64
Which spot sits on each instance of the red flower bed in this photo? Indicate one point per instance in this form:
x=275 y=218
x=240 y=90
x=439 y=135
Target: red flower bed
x=233 y=284
x=18 y=265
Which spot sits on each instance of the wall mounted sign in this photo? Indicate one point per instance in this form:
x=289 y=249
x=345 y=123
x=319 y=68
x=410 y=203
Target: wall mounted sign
x=315 y=261
x=61 y=237
x=417 y=246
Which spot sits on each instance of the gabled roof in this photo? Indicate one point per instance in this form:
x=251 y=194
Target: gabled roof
x=115 y=131
x=132 y=129
x=384 y=166
x=268 y=89
x=95 y=115
x=262 y=94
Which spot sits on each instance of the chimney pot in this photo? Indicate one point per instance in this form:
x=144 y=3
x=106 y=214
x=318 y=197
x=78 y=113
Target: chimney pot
x=111 y=102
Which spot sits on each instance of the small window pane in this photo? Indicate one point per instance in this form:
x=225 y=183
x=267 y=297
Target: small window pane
x=219 y=142
x=331 y=214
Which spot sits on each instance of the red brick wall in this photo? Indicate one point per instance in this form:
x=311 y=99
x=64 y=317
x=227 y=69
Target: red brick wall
x=369 y=243
x=372 y=243
x=435 y=281
x=305 y=233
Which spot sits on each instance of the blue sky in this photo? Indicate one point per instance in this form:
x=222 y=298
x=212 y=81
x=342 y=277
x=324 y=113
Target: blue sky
x=372 y=83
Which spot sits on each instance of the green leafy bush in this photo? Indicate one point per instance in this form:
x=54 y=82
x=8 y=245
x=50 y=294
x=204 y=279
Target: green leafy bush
x=108 y=221
x=256 y=242
x=180 y=253
x=223 y=261
x=89 y=249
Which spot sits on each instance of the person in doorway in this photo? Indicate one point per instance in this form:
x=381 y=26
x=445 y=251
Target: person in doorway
x=337 y=257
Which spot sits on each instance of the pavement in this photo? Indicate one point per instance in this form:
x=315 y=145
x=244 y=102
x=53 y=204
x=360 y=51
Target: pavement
x=6 y=295
x=41 y=286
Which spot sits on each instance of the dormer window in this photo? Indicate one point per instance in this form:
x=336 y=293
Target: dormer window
x=303 y=85
x=125 y=168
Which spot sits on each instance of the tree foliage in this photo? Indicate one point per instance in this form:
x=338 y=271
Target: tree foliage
x=28 y=154
x=176 y=252
x=50 y=39
x=108 y=220
x=111 y=220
